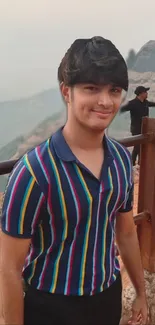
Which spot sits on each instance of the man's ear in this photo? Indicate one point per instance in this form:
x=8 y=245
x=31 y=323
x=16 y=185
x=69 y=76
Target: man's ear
x=65 y=91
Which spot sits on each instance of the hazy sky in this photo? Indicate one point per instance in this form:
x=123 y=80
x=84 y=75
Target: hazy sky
x=34 y=34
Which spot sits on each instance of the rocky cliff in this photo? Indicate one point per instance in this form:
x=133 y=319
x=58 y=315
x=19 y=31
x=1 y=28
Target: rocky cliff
x=143 y=70
x=147 y=79
x=145 y=58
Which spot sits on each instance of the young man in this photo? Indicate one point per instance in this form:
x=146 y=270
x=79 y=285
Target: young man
x=138 y=107
x=68 y=200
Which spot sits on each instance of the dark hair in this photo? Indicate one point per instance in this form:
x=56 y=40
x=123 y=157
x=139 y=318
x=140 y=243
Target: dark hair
x=94 y=60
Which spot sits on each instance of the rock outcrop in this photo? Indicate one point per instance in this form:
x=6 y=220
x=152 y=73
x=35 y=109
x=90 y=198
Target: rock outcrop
x=145 y=58
x=143 y=70
x=147 y=79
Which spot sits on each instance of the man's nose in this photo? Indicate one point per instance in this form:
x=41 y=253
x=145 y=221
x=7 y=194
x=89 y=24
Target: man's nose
x=105 y=100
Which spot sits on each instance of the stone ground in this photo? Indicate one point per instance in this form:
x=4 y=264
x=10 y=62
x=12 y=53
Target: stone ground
x=128 y=290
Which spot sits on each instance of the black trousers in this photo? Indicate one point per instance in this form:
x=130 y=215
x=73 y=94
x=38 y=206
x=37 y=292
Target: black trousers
x=42 y=308
x=136 y=151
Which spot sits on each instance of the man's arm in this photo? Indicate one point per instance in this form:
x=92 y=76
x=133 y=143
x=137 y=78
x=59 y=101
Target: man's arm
x=125 y=108
x=21 y=214
x=151 y=104
x=13 y=252
x=127 y=241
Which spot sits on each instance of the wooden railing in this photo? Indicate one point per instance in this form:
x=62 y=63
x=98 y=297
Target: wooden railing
x=145 y=219
x=7 y=166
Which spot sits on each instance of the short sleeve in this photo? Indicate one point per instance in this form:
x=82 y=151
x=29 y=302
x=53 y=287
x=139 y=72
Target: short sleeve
x=128 y=203
x=23 y=203
x=129 y=198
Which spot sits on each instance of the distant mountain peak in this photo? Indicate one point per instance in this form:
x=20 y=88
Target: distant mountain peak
x=145 y=58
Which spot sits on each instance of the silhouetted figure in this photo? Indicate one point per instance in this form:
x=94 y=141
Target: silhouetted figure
x=138 y=107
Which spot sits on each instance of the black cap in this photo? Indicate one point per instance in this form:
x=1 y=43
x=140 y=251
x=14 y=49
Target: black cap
x=140 y=89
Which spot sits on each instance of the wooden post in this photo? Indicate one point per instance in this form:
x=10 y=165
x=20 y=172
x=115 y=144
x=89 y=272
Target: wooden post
x=146 y=201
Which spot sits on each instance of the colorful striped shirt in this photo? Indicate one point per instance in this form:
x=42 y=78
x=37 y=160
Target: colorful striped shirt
x=69 y=215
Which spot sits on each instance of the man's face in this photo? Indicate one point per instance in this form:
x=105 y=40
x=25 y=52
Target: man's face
x=144 y=95
x=93 y=106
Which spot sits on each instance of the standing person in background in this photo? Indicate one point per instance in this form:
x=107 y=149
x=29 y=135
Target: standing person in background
x=66 y=203
x=138 y=108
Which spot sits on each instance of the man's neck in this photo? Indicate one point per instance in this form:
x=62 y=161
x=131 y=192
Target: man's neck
x=141 y=99
x=82 y=138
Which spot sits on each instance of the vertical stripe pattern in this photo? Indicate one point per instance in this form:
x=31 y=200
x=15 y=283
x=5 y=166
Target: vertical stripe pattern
x=24 y=205
x=105 y=227
x=87 y=230
x=65 y=220
x=96 y=239
x=69 y=214
x=12 y=197
x=78 y=216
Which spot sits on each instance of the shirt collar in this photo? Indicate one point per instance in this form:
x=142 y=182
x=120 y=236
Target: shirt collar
x=64 y=152
x=61 y=147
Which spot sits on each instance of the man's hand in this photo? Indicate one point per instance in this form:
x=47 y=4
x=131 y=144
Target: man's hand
x=128 y=246
x=140 y=313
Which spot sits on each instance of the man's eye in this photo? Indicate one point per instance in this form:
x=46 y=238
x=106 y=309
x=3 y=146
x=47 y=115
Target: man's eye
x=116 y=90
